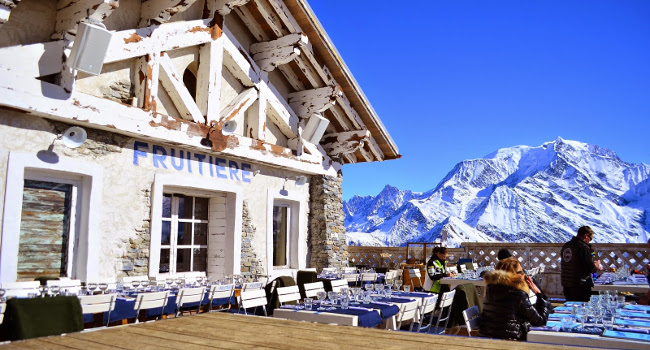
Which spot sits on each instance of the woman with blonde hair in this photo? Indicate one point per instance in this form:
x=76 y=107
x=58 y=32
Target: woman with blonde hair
x=507 y=310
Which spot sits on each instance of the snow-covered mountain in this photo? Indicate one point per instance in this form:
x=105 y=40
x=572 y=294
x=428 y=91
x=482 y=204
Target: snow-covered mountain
x=516 y=194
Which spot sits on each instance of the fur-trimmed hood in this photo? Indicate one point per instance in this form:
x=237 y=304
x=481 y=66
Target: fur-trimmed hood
x=505 y=278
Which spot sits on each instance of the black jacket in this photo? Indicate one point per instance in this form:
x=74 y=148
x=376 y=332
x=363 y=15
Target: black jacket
x=577 y=264
x=507 y=312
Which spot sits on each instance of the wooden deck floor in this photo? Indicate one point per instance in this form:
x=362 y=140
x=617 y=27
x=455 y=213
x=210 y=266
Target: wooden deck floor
x=228 y=331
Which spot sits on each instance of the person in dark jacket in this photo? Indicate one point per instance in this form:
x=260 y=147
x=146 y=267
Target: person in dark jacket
x=507 y=311
x=577 y=266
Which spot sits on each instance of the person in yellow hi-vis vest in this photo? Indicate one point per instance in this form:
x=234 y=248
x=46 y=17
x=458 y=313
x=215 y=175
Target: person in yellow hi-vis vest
x=437 y=269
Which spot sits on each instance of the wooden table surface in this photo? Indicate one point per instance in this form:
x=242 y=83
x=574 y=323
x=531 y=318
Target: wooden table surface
x=229 y=331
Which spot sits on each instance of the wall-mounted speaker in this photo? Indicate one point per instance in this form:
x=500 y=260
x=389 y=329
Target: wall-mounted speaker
x=89 y=48
x=74 y=137
x=229 y=127
x=301 y=180
x=315 y=128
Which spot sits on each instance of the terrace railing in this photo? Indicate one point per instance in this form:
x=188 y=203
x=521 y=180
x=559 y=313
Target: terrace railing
x=612 y=255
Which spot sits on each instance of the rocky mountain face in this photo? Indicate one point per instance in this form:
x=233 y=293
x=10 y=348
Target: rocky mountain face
x=517 y=194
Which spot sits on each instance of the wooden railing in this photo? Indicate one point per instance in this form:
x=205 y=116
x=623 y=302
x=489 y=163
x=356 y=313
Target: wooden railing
x=612 y=255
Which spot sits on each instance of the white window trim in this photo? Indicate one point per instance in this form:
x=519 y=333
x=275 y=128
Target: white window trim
x=197 y=186
x=87 y=257
x=297 y=203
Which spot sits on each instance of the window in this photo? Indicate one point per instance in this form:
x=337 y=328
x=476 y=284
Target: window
x=281 y=247
x=184 y=236
x=46 y=240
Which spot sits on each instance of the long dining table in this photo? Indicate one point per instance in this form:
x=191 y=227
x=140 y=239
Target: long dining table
x=232 y=331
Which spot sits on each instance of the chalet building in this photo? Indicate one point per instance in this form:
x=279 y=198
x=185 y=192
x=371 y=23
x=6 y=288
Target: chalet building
x=150 y=137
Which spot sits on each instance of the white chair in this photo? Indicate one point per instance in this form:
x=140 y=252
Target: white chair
x=349 y=269
x=407 y=312
x=288 y=294
x=337 y=285
x=252 y=286
x=471 y=317
x=193 y=277
x=253 y=298
x=329 y=270
x=312 y=289
x=100 y=303
x=427 y=308
x=187 y=296
x=446 y=300
x=20 y=289
x=416 y=279
x=367 y=278
x=391 y=275
x=351 y=278
x=65 y=285
x=222 y=291
x=146 y=301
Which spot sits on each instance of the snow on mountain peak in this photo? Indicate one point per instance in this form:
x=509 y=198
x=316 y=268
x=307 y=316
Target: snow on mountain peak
x=515 y=194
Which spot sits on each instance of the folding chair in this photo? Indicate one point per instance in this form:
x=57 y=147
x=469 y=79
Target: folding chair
x=188 y=296
x=416 y=278
x=312 y=289
x=446 y=300
x=253 y=298
x=251 y=286
x=367 y=278
x=219 y=293
x=471 y=317
x=352 y=278
x=20 y=289
x=427 y=308
x=408 y=312
x=100 y=303
x=349 y=270
x=337 y=285
x=66 y=285
x=146 y=301
x=288 y=294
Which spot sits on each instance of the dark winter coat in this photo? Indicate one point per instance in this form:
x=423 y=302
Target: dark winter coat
x=577 y=264
x=507 y=312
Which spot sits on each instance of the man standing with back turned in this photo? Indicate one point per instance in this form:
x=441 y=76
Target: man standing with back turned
x=577 y=266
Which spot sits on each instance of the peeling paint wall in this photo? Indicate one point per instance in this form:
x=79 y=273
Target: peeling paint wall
x=41 y=16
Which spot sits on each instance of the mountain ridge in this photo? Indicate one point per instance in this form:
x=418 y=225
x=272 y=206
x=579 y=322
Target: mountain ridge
x=520 y=193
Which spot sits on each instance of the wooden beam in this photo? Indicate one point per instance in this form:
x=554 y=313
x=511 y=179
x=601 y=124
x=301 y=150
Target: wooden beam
x=238 y=62
x=367 y=157
x=309 y=72
x=238 y=105
x=279 y=111
x=172 y=82
x=305 y=103
x=337 y=144
x=292 y=77
x=285 y=16
x=209 y=74
x=256 y=120
x=223 y=7
x=70 y=12
x=270 y=18
x=51 y=101
x=133 y=43
x=251 y=23
x=153 y=12
x=6 y=6
x=147 y=73
x=271 y=54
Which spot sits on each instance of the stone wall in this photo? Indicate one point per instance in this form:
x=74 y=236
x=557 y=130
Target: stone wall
x=326 y=240
x=251 y=264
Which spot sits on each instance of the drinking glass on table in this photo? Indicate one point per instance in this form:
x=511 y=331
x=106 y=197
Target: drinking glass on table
x=321 y=295
x=608 y=320
x=370 y=287
x=91 y=287
x=103 y=287
x=581 y=316
x=309 y=303
x=55 y=289
x=333 y=296
x=345 y=301
x=168 y=283
x=407 y=288
x=398 y=284
x=388 y=291
x=144 y=284
x=567 y=322
x=355 y=294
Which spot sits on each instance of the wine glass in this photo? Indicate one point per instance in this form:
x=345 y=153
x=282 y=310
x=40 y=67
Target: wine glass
x=355 y=293
x=136 y=285
x=370 y=287
x=321 y=295
x=55 y=289
x=103 y=287
x=168 y=282
x=127 y=287
x=43 y=289
x=91 y=287
x=332 y=297
x=144 y=284
x=199 y=280
x=398 y=284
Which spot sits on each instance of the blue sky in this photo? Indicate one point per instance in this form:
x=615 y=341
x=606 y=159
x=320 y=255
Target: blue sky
x=455 y=80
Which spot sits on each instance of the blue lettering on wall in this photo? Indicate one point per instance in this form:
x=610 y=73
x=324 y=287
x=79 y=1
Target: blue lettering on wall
x=199 y=159
x=137 y=152
x=234 y=169
x=225 y=169
x=220 y=168
x=159 y=158
x=245 y=172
